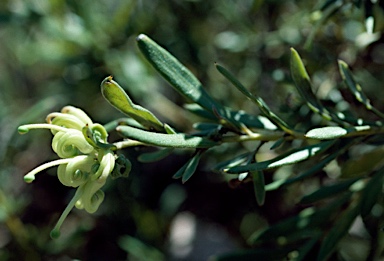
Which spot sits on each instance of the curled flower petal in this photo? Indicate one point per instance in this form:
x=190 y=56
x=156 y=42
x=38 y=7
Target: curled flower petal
x=76 y=172
x=93 y=196
x=65 y=120
x=78 y=113
x=87 y=159
x=107 y=164
x=70 y=143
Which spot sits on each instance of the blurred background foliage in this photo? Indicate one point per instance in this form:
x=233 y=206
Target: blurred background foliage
x=55 y=53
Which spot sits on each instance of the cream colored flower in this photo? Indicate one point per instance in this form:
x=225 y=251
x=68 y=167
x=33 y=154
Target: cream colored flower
x=86 y=158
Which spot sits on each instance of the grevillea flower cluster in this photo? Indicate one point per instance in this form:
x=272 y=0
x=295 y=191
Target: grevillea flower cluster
x=86 y=158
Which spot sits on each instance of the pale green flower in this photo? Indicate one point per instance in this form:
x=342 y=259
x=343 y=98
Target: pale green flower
x=86 y=158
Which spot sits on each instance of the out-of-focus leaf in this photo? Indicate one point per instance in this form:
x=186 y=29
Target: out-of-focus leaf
x=287 y=158
x=278 y=143
x=325 y=4
x=303 y=85
x=357 y=167
x=155 y=156
x=256 y=99
x=371 y=192
x=139 y=250
x=337 y=232
x=256 y=254
x=328 y=9
x=308 y=219
x=307 y=247
x=259 y=186
x=356 y=89
x=119 y=99
x=206 y=126
x=166 y=140
x=327 y=191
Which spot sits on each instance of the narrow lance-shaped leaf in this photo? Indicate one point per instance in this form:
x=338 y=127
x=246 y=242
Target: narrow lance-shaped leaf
x=256 y=99
x=189 y=168
x=328 y=191
x=363 y=164
x=308 y=219
x=179 y=76
x=248 y=120
x=371 y=192
x=338 y=231
x=232 y=162
x=166 y=140
x=119 y=99
x=327 y=10
x=290 y=157
x=303 y=85
x=259 y=186
x=174 y=72
x=326 y=133
x=356 y=89
x=334 y=132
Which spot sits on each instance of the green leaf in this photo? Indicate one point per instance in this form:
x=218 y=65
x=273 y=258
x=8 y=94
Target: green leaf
x=364 y=164
x=356 y=89
x=119 y=99
x=232 y=162
x=326 y=133
x=248 y=120
x=290 y=157
x=139 y=250
x=309 y=219
x=327 y=10
x=327 y=191
x=309 y=172
x=259 y=186
x=308 y=246
x=337 y=232
x=303 y=85
x=189 y=168
x=256 y=254
x=371 y=192
x=175 y=73
x=155 y=156
x=256 y=99
x=180 y=77
x=166 y=140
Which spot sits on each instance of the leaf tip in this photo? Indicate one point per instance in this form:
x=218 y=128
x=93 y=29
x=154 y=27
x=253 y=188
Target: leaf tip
x=141 y=37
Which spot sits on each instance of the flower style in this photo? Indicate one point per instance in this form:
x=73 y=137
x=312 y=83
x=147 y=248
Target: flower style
x=86 y=158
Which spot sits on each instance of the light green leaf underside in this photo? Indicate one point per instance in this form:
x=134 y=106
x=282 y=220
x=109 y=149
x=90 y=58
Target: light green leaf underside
x=166 y=140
